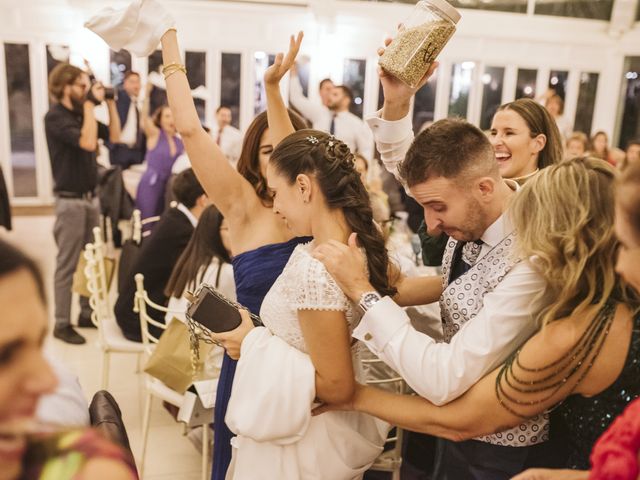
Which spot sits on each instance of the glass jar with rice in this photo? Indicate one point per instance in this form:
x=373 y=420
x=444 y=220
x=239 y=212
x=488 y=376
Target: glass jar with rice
x=420 y=40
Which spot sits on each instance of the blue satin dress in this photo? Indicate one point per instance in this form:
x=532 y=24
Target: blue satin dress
x=255 y=272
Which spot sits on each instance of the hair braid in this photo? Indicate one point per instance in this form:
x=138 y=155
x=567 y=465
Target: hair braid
x=334 y=166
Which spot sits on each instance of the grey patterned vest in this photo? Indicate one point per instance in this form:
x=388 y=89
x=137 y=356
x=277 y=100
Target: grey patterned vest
x=461 y=301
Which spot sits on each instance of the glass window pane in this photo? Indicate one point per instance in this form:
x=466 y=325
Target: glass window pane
x=517 y=6
x=558 y=81
x=56 y=54
x=303 y=70
x=631 y=108
x=461 y=78
x=526 y=83
x=262 y=61
x=492 y=83
x=119 y=63
x=353 y=77
x=424 y=105
x=23 y=158
x=586 y=102
x=595 y=9
x=154 y=68
x=196 y=63
x=230 y=84
x=380 y=95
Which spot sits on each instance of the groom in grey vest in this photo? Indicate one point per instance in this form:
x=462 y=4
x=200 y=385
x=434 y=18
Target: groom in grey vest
x=488 y=296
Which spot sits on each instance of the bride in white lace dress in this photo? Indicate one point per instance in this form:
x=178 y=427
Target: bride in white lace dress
x=305 y=354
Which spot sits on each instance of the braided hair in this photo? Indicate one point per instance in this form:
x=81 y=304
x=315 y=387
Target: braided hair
x=333 y=165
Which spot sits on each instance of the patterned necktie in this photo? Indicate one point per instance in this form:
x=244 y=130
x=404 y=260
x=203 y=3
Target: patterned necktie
x=471 y=252
x=332 y=128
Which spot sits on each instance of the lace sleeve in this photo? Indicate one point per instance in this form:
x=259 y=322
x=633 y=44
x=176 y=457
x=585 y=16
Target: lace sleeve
x=317 y=290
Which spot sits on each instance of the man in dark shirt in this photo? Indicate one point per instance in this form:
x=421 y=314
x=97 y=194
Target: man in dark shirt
x=160 y=252
x=72 y=137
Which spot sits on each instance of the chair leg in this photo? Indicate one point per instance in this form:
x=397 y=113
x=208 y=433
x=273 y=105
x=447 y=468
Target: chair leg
x=145 y=431
x=206 y=432
x=396 y=474
x=106 y=359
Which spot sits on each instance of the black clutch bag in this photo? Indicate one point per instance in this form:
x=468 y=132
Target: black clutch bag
x=215 y=312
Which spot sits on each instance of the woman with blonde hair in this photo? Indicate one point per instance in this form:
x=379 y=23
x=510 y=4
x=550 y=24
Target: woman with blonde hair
x=583 y=360
x=577 y=145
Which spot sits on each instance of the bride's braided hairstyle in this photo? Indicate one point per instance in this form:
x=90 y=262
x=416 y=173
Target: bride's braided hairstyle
x=331 y=162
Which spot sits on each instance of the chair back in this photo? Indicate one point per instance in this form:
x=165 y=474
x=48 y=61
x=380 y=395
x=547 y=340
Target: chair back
x=140 y=306
x=97 y=286
x=389 y=460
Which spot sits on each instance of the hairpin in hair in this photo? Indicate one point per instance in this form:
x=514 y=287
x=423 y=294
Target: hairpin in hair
x=312 y=140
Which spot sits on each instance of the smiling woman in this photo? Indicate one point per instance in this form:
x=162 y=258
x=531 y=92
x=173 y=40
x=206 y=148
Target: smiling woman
x=25 y=376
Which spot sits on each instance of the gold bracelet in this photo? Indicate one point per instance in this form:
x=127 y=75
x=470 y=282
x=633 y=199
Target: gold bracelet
x=167 y=75
x=172 y=67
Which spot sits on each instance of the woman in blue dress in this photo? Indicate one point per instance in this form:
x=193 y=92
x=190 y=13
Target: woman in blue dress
x=163 y=147
x=261 y=243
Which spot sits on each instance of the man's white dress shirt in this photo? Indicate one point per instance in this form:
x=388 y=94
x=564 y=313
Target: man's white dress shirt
x=441 y=372
x=347 y=127
x=230 y=142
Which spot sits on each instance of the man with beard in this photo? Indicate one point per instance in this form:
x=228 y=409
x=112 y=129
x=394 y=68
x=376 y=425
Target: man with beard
x=489 y=297
x=72 y=137
x=334 y=116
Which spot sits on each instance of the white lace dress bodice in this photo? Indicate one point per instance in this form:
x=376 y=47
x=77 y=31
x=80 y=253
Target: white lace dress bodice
x=304 y=284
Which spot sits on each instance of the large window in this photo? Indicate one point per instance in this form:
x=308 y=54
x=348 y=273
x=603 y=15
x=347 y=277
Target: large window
x=518 y=6
x=196 y=64
x=119 y=63
x=586 y=102
x=154 y=68
x=461 y=80
x=353 y=77
x=492 y=83
x=230 y=76
x=23 y=158
x=558 y=81
x=424 y=105
x=526 y=83
x=630 y=125
x=594 y=9
x=262 y=61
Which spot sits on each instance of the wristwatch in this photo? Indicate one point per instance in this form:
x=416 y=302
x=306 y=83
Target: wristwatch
x=368 y=300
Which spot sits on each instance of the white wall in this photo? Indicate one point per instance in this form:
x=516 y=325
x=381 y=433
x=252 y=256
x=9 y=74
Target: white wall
x=354 y=31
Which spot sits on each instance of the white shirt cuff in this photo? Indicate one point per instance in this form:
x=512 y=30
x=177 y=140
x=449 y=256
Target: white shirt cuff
x=380 y=323
x=390 y=131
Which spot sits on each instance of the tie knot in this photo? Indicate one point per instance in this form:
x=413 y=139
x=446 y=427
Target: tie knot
x=471 y=252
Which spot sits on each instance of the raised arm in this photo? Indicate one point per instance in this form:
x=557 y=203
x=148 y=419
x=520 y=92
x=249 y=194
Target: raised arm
x=280 y=124
x=149 y=128
x=232 y=194
x=310 y=109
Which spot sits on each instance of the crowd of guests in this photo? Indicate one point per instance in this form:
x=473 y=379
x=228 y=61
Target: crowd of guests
x=534 y=228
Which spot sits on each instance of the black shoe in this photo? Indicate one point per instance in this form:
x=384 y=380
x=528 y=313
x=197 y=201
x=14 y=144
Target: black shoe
x=85 y=321
x=69 y=335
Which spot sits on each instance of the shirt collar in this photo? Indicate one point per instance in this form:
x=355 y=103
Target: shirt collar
x=192 y=218
x=502 y=227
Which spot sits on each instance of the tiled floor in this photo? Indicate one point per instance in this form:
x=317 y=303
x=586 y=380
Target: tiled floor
x=170 y=455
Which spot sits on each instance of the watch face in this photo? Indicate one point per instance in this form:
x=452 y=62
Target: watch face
x=370 y=298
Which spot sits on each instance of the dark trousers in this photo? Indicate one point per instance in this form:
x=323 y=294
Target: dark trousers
x=475 y=460
x=125 y=156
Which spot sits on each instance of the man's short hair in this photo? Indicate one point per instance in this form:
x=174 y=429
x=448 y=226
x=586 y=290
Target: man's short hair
x=223 y=106
x=186 y=188
x=633 y=141
x=62 y=75
x=323 y=81
x=130 y=73
x=346 y=91
x=451 y=148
